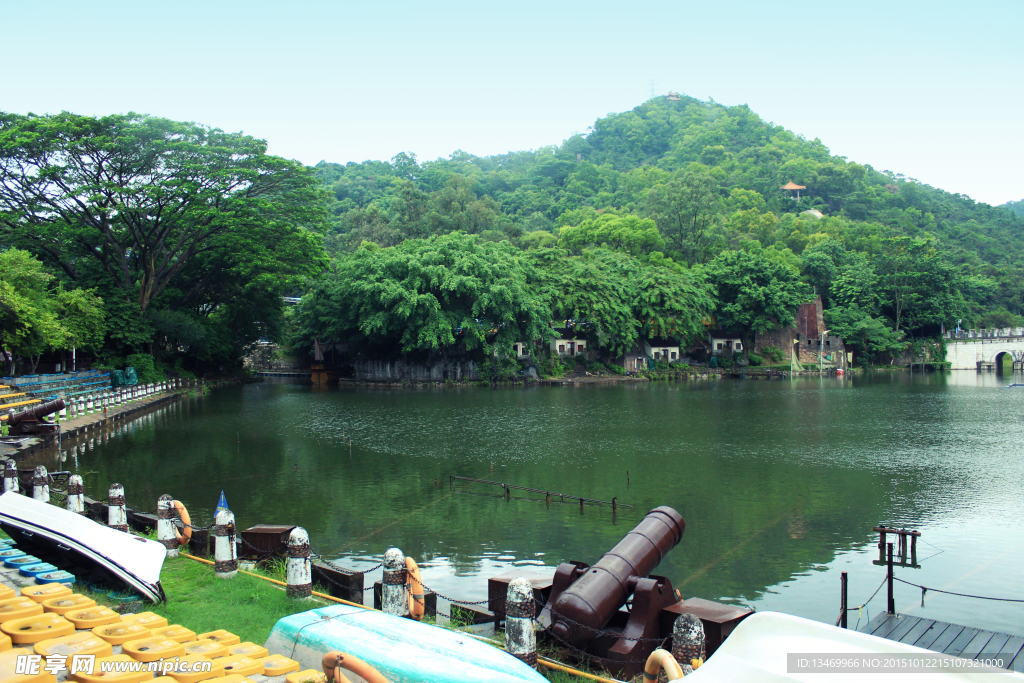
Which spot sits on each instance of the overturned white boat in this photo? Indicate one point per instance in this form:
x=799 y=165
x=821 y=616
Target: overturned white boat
x=94 y=553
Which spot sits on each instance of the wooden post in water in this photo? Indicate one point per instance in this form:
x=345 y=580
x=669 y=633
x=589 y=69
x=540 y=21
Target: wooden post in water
x=393 y=586
x=165 y=531
x=76 y=493
x=520 y=638
x=299 y=569
x=843 y=582
x=225 y=553
x=117 y=514
x=891 y=606
x=41 y=484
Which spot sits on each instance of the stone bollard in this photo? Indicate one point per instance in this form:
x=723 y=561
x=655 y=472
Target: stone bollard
x=520 y=638
x=117 y=397
x=117 y=514
x=76 y=493
x=225 y=553
x=165 y=531
x=393 y=597
x=89 y=407
x=62 y=416
x=41 y=485
x=688 y=641
x=11 y=476
x=300 y=568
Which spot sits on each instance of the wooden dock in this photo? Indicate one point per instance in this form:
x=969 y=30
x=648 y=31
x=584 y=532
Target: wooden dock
x=950 y=639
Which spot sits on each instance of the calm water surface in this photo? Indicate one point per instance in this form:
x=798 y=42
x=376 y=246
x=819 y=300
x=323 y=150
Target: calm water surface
x=779 y=482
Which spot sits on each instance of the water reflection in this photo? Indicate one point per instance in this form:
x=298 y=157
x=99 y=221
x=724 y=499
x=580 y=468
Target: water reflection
x=780 y=482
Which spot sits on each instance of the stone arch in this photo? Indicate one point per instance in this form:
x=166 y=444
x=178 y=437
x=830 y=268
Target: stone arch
x=1016 y=357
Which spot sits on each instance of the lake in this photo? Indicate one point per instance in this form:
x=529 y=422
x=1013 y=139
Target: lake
x=780 y=482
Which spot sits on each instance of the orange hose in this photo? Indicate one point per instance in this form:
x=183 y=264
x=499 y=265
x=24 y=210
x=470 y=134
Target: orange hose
x=183 y=515
x=335 y=660
x=415 y=585
x=662 y=659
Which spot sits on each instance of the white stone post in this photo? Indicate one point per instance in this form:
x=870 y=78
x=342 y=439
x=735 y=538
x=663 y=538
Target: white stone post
x=393 y=597
x=225 y=553
x=41 y=485
x=300 y=568
x=165 y=531
x=11 y=476
x=117 y=514
x=688 y=641
x=520 y=638
x=76 y=494
x=62 y=416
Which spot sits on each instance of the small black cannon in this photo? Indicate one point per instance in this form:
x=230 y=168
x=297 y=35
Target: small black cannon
x=32 y=420
x=584 y=608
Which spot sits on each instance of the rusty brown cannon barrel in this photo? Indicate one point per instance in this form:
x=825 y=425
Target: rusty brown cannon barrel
x=592 y=600
x=36 y=412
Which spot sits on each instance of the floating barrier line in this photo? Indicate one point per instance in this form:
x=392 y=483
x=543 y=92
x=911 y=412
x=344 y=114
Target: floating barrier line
x=592 y=501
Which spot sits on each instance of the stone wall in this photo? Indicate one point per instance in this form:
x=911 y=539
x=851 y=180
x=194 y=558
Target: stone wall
x=439 y=370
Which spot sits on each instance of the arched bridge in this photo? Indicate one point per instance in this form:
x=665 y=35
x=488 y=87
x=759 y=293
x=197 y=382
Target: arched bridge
x=984 y=349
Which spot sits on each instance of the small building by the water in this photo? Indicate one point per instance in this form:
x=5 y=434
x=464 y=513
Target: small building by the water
x=569 y=347
x=723 y=341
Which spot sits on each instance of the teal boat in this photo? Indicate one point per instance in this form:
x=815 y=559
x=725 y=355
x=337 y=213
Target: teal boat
x=402 y=650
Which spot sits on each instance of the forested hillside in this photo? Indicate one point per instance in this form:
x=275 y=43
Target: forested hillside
x=685 y=181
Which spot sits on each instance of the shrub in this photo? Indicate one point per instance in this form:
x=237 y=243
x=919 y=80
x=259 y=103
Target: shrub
x=755 y=359
x=772 y=353
x=145 y=368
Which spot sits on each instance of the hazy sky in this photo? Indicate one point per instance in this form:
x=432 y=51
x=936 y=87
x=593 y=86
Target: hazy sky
x=929 y=89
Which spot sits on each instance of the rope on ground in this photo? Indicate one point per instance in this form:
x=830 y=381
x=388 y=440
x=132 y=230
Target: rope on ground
x=962 y=595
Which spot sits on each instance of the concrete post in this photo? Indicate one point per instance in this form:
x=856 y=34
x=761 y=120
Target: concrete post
x=88 y=404
x=520 y=638
x=10 y=476
x=117 y=514
x=41 y=485
x=76 y=494
x=393 y=597
x=225 y=554
x=688 y=641
x=300 y=568
x=165 y=531
x=62 y=416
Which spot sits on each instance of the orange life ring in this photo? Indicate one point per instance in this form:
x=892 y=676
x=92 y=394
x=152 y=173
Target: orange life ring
x=334 y=661
x=186 y=520
x=415 y=585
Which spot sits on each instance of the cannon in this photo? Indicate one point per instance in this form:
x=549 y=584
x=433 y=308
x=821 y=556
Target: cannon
x=584 y=610
x=33 y=420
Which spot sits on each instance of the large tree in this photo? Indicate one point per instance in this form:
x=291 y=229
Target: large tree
x=154 y=208
x=754 y=293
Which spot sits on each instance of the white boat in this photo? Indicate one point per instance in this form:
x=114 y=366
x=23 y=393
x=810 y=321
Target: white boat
x=761 y=648
x=402 y=650
x=67 y=539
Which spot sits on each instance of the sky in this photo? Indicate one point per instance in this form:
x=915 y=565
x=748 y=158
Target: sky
x=932 y=90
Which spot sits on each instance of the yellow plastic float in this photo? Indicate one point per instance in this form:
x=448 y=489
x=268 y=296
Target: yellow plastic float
x=152 y=648
x=251 y=650
x=221 y=636
x=175 y=632
x=147 y=619
x=76 y=644
x=278 y=665
x=307 y=676
x=45 y=591
x=240 y=664
x=120 y=633
x=91 y=617
x=18 y=608
x=216 y=670
x=6 y=592
x=29 y=630
x=207 y=648
x=66 y=604
x=100 y=676
x=5 y=642
x=231 y=678
x=8 y=662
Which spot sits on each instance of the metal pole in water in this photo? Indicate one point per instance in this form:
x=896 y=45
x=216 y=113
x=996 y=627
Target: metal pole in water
x=76 y=492
x=225 y=553
x=843 y=582
x=520 y=638
x=40 y=485
x=393 y=598
x=892 y=602
x=299 y=569
x=117 y=515
x=165 y=531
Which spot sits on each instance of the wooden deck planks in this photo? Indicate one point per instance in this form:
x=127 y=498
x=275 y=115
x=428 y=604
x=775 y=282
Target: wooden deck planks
x=1013 y=648
x=933 y=634
x=920 y=628
x=977 y=645
x=960 y=642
